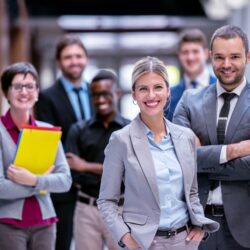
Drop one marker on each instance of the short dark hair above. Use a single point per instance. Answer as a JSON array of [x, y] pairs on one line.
[[67, 40], [192, 35], [228, 32], [12, 70], [105, 74]]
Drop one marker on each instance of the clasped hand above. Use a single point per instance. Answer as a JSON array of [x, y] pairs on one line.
[[23, 176]]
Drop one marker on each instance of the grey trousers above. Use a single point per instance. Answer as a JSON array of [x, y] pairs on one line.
[[177, 242], [30, 238]]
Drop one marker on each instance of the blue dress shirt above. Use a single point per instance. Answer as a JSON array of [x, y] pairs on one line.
[[68, 86], [174, 213]]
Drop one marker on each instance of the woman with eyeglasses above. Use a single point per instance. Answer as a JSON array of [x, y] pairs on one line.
[[156, 161], [27, 216]]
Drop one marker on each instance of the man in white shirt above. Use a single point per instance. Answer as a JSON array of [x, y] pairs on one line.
[[219, 115], [193, 54]]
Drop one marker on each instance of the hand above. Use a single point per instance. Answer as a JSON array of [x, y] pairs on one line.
[[237, 150], [129, 241], [197, 141], [196, 234], [21, 176], [75, 162]]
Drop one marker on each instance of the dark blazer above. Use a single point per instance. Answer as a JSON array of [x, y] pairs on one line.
[[197, 110], [176, 94], [54, 107]]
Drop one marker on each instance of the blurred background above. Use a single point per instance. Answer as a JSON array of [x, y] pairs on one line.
[[115, 33]]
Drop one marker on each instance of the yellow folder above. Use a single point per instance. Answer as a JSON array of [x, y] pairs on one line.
[[37, 148]]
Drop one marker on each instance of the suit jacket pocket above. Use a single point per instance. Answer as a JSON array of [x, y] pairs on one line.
[[133, 218]]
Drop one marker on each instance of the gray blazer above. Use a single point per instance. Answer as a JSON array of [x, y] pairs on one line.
[[197, 110], [128, 159], [12, 195]]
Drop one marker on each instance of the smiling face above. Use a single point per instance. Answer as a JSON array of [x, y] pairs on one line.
[[193, 57], [104, 97], [23, 92], [229, 61], [151, 93], [72, 62]]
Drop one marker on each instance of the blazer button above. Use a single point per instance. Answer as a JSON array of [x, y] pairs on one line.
[[205, 191]]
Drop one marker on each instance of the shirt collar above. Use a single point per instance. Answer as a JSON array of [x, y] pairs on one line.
[[117, 119], [150, 133], [237, 90], [68, 85], [202, 79], [9, 123]]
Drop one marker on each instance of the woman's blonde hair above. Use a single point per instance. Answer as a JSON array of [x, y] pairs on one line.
[[149, 65]]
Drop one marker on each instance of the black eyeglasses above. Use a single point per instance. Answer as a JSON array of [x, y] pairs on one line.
[[18, 87], [105, 94]]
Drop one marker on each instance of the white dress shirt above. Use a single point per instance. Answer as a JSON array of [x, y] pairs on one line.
[[215, 196], [202, 80]]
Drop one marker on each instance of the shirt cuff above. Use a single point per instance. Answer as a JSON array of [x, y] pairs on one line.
[[223, 154]]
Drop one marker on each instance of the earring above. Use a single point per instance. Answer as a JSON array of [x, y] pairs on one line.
[[134, 102]]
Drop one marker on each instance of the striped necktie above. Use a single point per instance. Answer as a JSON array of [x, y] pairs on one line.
[[223, 118], [221, 127]]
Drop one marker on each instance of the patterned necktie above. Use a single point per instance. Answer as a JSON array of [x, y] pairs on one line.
[[221, 127], [222, 121], [77, 91]]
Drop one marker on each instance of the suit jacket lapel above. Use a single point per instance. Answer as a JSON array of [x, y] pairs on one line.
[[65, 98], [209, 109], [183, 155], [241, 107], [90, 102], [140, 145]]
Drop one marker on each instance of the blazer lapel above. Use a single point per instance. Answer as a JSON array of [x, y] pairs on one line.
[[183, 155], [209, 110], [90, 102], [68, 106], [140, 144], [241, 107]]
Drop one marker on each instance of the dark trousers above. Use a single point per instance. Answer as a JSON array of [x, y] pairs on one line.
[[65, 213], [30, 238], [222, 239]]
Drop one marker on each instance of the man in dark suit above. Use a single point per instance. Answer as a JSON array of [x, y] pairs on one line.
[[64, 103], [219, 115], [193, 55]]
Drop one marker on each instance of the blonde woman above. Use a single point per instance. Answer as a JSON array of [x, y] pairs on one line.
[[156, 160]]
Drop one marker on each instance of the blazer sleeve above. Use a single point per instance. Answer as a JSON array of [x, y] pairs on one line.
[[45, 110], [208, 156], [112, 177], [10, 190], [200, 219]]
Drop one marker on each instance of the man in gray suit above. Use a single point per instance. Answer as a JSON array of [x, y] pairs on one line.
[[219, 115]]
